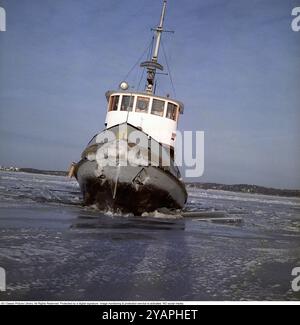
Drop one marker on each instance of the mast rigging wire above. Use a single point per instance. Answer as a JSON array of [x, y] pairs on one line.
[[169, 70], [139, 60], [148, 58]]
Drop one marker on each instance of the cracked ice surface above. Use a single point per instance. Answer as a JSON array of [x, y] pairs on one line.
[[54, 249]]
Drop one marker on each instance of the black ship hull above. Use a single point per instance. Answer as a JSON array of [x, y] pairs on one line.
[[128, 189]]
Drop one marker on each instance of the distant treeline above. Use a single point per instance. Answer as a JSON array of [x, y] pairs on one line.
[[245, 188]]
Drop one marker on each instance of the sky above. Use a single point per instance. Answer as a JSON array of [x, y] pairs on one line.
[[235, 65]]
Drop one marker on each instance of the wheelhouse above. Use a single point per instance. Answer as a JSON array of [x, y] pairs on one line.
[[142, 103], [157, 116]]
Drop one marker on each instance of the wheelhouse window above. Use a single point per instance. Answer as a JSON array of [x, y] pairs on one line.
[[113, 103], [142, 104], [172, 111], [158, 107], [127, 103]]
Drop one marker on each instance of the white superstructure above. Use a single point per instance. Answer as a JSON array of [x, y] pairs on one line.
[[156, 116]]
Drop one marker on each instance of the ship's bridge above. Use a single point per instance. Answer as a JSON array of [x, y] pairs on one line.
[[155, 115]]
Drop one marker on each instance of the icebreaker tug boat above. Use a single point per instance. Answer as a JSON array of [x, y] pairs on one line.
[[129, 167]]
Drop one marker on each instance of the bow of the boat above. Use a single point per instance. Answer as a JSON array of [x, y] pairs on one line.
[[135, 189]]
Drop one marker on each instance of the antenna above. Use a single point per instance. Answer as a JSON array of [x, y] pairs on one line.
[[153, 65]]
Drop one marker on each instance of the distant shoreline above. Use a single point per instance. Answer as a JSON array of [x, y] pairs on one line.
[[34, 171], [245, 188], [240, 188]]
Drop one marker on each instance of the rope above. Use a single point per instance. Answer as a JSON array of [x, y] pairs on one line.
[[142, 76], [148, 58], [169, 71], [138, 61], [151, 48]]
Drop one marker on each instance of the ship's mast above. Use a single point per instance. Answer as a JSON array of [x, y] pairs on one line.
[[159, 31], [153, 64]]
